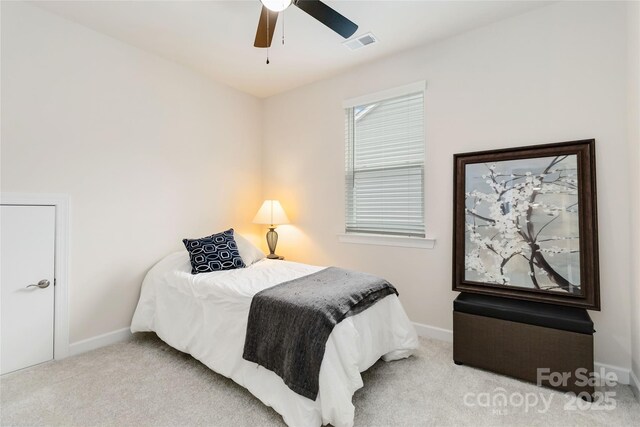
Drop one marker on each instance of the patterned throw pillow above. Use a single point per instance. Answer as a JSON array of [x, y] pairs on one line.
[[213, 253]]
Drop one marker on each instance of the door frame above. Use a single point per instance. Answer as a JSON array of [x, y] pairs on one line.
[[61, 263]]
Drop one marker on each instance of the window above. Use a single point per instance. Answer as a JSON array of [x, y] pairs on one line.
[[385, 163]]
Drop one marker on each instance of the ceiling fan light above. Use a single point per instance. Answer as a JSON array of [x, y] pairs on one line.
[[276, 5]]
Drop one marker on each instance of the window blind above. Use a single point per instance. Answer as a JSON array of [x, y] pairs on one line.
[[385, 166]]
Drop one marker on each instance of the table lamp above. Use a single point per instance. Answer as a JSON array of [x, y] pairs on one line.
[[271, 214]]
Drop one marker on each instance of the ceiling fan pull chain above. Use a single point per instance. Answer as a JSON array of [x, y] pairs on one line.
[[282, 28], [268, 41]]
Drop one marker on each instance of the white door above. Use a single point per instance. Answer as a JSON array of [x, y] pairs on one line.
[[26, 287]]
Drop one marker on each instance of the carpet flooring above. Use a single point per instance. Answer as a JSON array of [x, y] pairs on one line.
[[144, 382]]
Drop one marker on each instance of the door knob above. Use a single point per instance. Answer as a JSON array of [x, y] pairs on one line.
[[44, 283]]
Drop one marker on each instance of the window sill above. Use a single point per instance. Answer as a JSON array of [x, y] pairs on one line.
[[382, 240]]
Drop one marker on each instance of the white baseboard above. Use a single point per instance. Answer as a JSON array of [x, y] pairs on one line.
[[428, 331], [635, 384], [99, 341], [621, 373], [440, 334]]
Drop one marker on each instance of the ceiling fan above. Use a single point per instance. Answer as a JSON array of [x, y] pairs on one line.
[[315, 8]]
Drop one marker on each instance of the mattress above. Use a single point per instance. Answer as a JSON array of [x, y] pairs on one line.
[[205, 315]]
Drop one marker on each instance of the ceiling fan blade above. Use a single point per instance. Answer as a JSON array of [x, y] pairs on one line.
[[328, 17], [268, 21]]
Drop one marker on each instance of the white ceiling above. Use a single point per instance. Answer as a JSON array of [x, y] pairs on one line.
[[216, 37]]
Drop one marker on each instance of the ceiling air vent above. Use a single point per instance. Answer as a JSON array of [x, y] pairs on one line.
[[361, 41]]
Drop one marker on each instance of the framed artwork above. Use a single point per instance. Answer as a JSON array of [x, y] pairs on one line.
[[525, 223]]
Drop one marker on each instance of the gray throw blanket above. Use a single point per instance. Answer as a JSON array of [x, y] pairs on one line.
[[289, 324]]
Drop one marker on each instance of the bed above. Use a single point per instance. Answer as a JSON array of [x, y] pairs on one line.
[[205, 315]]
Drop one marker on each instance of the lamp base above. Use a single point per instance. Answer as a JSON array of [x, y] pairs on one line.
[[274, 256], [272, 241]]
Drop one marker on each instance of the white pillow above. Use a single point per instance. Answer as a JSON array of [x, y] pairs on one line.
[[248, 251]]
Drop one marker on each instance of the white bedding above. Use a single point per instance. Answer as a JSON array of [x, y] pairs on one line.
[[205, 315]]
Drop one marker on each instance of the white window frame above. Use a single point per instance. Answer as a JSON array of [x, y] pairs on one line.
[[383, 239]]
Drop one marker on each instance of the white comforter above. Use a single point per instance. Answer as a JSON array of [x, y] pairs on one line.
[[205, 315]]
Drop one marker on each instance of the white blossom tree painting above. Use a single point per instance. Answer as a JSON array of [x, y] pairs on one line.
[[522, 224], [526, 223]]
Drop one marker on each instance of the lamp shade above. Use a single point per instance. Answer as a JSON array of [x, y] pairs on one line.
[[271, 213]]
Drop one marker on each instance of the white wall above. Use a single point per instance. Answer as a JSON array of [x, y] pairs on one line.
[[148, 151], [554, 74], [633, 15]]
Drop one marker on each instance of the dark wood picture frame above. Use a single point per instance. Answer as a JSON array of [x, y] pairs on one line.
[[588, 294]]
